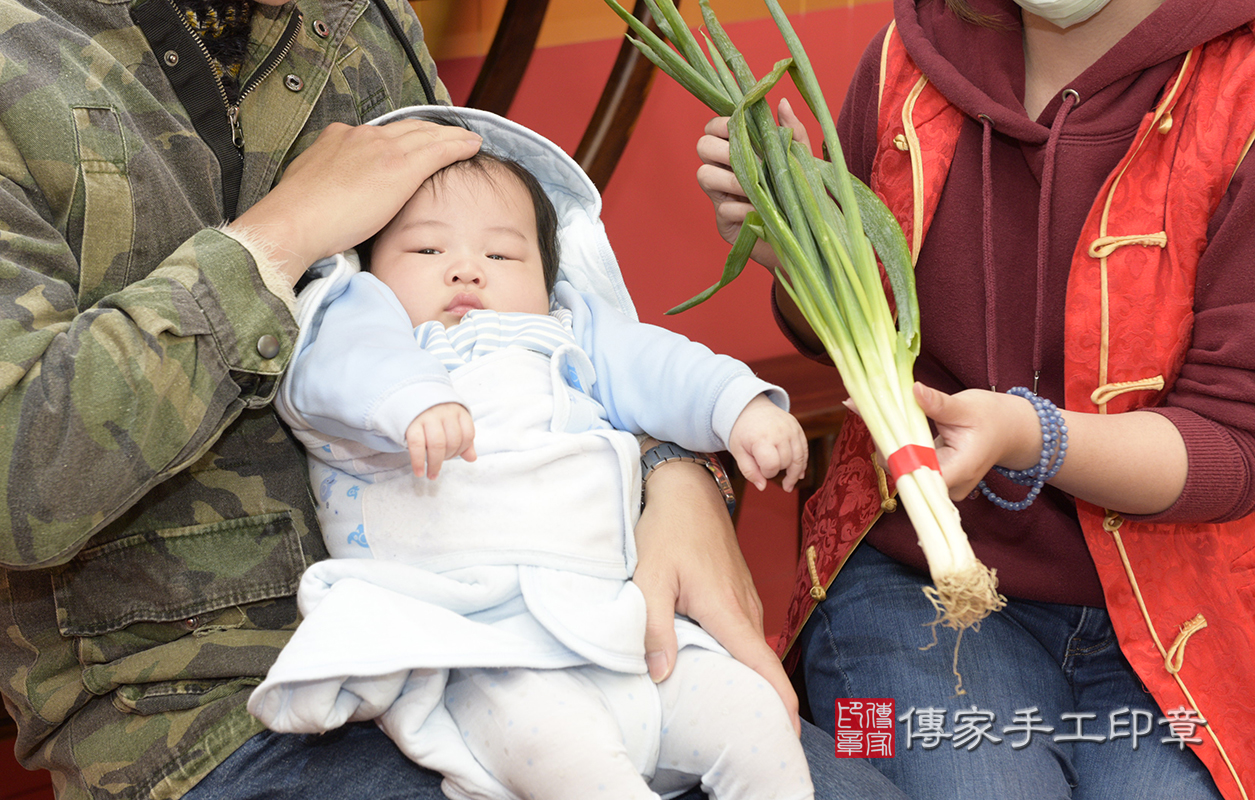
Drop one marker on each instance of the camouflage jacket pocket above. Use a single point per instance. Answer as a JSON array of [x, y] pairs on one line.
[[160, 698], [155, 588], [108, 211]]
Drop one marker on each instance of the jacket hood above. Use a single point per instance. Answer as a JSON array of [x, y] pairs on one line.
[[981, 69], [586, 262]]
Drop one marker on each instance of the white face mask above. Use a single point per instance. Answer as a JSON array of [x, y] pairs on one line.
[[1064, 13]]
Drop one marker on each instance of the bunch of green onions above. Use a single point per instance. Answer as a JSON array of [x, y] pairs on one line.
[[827, 229]]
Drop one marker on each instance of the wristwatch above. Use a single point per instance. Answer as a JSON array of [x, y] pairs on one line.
[[660, 454]]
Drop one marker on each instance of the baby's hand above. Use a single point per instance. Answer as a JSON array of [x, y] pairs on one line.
[[441, 432], [766, 440]]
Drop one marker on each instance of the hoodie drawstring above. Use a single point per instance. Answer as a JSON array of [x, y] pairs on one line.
[[1070, 99], [987, 250]]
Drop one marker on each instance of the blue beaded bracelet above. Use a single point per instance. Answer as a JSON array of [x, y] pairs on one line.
[[1054, 446]]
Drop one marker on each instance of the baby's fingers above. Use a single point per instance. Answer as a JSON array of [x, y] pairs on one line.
[[437, 441], [799, 453], [441, 432], [453, 437], [770, 458], [416, 443], [467, 431], [749, 466]]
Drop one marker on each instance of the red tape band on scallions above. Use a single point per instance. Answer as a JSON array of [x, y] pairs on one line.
[[910, 458]]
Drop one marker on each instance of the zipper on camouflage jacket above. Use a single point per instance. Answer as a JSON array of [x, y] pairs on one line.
[[188, 66]]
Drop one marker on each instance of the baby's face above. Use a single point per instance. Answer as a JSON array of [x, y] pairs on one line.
[[464, 242]]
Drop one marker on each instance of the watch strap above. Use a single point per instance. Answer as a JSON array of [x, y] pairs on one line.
[[662, 453]]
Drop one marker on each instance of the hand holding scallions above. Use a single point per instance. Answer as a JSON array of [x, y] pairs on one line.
[[716, 178], [718, 181], [977, 429]]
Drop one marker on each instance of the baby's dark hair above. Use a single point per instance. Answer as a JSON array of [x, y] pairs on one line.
[[484, 163]]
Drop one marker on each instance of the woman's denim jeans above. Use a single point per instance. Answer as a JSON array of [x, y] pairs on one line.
[[1030, 666]]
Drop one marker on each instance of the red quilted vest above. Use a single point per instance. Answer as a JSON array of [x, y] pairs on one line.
[[1131, 282]]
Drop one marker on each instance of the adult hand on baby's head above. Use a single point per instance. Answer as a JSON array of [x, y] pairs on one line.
[[441, 432], [765, 439], [346, 186]]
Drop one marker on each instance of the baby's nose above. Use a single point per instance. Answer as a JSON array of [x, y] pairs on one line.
[[466, 273]]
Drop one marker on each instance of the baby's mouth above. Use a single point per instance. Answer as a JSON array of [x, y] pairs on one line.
[[463, 303]]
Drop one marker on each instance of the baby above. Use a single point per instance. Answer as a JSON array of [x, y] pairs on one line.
[[470, 418], [470, 239]]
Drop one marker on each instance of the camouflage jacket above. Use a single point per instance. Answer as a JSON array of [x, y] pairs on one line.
[[156, 516]]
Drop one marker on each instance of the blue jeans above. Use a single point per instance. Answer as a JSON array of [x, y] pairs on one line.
[[1031, 665], [358, 761]]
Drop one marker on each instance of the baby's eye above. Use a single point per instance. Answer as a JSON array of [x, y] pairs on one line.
[[498, 257], [428, 251]]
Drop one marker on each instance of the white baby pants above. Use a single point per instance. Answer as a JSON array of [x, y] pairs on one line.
[[565, 733]]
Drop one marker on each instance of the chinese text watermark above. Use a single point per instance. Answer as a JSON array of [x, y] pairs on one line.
[[865, 728]]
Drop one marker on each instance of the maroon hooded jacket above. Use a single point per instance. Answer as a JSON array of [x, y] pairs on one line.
[[1040, 553]]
